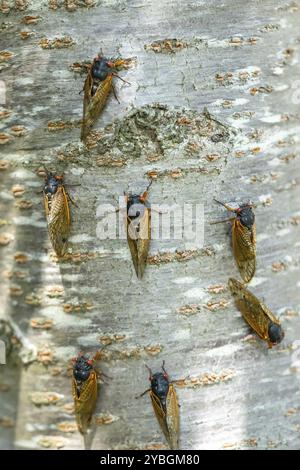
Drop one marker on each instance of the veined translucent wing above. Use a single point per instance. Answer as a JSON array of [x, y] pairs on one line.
[[255, 312], [85, 401], [93, 104], [172, 417], [58, 219], [139, 241], [244, 249], [168, 417]]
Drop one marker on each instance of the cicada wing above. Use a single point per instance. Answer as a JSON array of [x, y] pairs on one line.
[[143, 242], [254, 236], [132, 243], [235, 286], [251, 308], [96, 104], [86, 100], [139, 242], [172, 418], [269, 314], [255, 317], [160, 414], [46, 205], [143, 250], [98, 101], [58, 219], [85, 402], [244, 249]]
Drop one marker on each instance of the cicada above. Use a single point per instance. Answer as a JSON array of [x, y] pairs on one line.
[[138, 222], [56, 201], [165, 405], [84, 390], [256, 314], [243, 239], [97, 86]]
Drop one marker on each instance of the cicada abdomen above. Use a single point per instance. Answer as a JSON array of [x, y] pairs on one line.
[[256, 314], [243, 239], [57, 212], [85, 391], [138, 222], [97, 86], [165, 405]]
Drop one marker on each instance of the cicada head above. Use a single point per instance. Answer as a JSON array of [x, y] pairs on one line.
[[52, 182], [82, 368], [246, 215], [160, 384], [101, 68], [135, 205], [276, 333], [133, 199]]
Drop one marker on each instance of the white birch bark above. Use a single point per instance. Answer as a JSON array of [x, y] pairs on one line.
[[240, 60]]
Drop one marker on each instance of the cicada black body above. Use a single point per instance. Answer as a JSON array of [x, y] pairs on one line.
[[56, 202], [97, 86], [84, 390], [243, 239], [138, 223], [256, 314], [165, 405]]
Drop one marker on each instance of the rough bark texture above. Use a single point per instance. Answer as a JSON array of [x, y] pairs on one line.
[[240, 60]]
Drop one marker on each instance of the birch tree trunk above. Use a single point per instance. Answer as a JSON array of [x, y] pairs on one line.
[[238, 59]]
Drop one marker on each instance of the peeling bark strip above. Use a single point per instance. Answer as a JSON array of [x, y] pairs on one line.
[[45, 399], [57, 43], [206, 379], [54, 126], [166, 45], [242, 65], [180, 256]]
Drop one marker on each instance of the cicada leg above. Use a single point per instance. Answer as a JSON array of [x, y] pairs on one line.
[[230, 209], [115, 94], [222, 221]]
